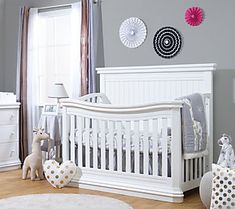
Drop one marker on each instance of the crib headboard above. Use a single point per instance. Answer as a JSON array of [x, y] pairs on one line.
[[144, 84]]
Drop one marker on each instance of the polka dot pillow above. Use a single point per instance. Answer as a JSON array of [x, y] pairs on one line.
[[223, 188], [59, 175]]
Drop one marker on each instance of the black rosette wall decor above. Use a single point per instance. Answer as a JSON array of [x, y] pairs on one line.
[[167, 42]]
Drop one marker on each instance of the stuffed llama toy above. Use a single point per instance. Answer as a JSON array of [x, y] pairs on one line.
[[227, 157], [33, 162]]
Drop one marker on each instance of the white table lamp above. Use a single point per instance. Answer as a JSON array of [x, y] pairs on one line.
[[57, 91]]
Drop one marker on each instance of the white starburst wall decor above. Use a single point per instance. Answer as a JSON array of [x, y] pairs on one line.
[[132, 32]]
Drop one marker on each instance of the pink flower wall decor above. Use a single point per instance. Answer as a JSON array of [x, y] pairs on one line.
[[194, 16]]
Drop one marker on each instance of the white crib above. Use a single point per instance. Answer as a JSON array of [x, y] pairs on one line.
[[126, 146]]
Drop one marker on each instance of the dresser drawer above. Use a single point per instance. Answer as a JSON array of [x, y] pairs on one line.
[[8, 133], [8, 116], [9, 151]]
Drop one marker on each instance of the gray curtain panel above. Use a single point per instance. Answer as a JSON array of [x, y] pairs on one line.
[[21, 81], [84, 47], [89, 38], [94, 19]]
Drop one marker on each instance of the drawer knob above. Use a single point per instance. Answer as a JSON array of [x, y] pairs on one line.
[[12, 134], [11, 117]]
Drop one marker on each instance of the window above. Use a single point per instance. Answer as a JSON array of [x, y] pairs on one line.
[[56, 51]]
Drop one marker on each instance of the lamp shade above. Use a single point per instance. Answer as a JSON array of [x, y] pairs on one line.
[[57, 90]]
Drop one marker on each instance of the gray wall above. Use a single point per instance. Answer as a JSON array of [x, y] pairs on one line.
[[224, 108], [212, 41], [2, 41]]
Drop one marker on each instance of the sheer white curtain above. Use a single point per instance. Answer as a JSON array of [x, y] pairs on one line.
[[35, 57], [75, 50], [32, 74]]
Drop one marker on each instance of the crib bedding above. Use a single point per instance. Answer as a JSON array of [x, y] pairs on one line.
[[160, 142], [194, 125], [149, 137]]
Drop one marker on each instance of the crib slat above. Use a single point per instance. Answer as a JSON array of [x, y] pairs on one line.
[[95, 146], [72, 141], [110, 141], [79, 136], [102, 140], [191, 169], [155, 147], [119, 146], [137, 147], [128, 146], [196, 167], [146, 147], [87, 140], [200, 167], [187, 170], [204, 165], [65, 135], [164, 147]]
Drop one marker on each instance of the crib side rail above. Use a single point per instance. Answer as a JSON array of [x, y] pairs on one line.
[[145, 142], [104, 108]]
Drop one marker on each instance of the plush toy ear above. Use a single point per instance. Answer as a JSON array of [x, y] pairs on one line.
[[35, 130], [229, 138]]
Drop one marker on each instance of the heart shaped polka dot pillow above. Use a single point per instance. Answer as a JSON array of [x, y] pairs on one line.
[[59, 175]]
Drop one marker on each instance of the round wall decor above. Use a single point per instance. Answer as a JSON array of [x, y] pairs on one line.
[[167, 42], [132, 32], [194, 16]]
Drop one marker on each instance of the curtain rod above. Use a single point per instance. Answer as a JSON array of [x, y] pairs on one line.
[[51, 8], [58, 7]]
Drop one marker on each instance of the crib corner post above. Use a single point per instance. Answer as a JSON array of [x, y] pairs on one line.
[[210, 139], [176, 150], [65, 132]]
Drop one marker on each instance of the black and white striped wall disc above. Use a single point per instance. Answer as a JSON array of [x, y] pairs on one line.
[[167, 42]]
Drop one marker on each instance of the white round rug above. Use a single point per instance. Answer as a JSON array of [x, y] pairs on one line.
[[62, 201]]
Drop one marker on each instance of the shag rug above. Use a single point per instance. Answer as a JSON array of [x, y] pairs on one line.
[[62, 201]]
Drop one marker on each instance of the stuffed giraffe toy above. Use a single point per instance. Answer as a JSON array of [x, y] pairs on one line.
[[33, 162]]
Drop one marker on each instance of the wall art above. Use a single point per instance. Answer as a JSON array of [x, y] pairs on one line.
[[167, 42], [194, 16], [132, 32]]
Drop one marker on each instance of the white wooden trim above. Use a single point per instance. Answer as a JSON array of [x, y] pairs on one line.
[[160, 69], [10, 105], [138, 185]]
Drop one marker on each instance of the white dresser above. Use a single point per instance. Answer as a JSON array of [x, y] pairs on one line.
[[9, 136]]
